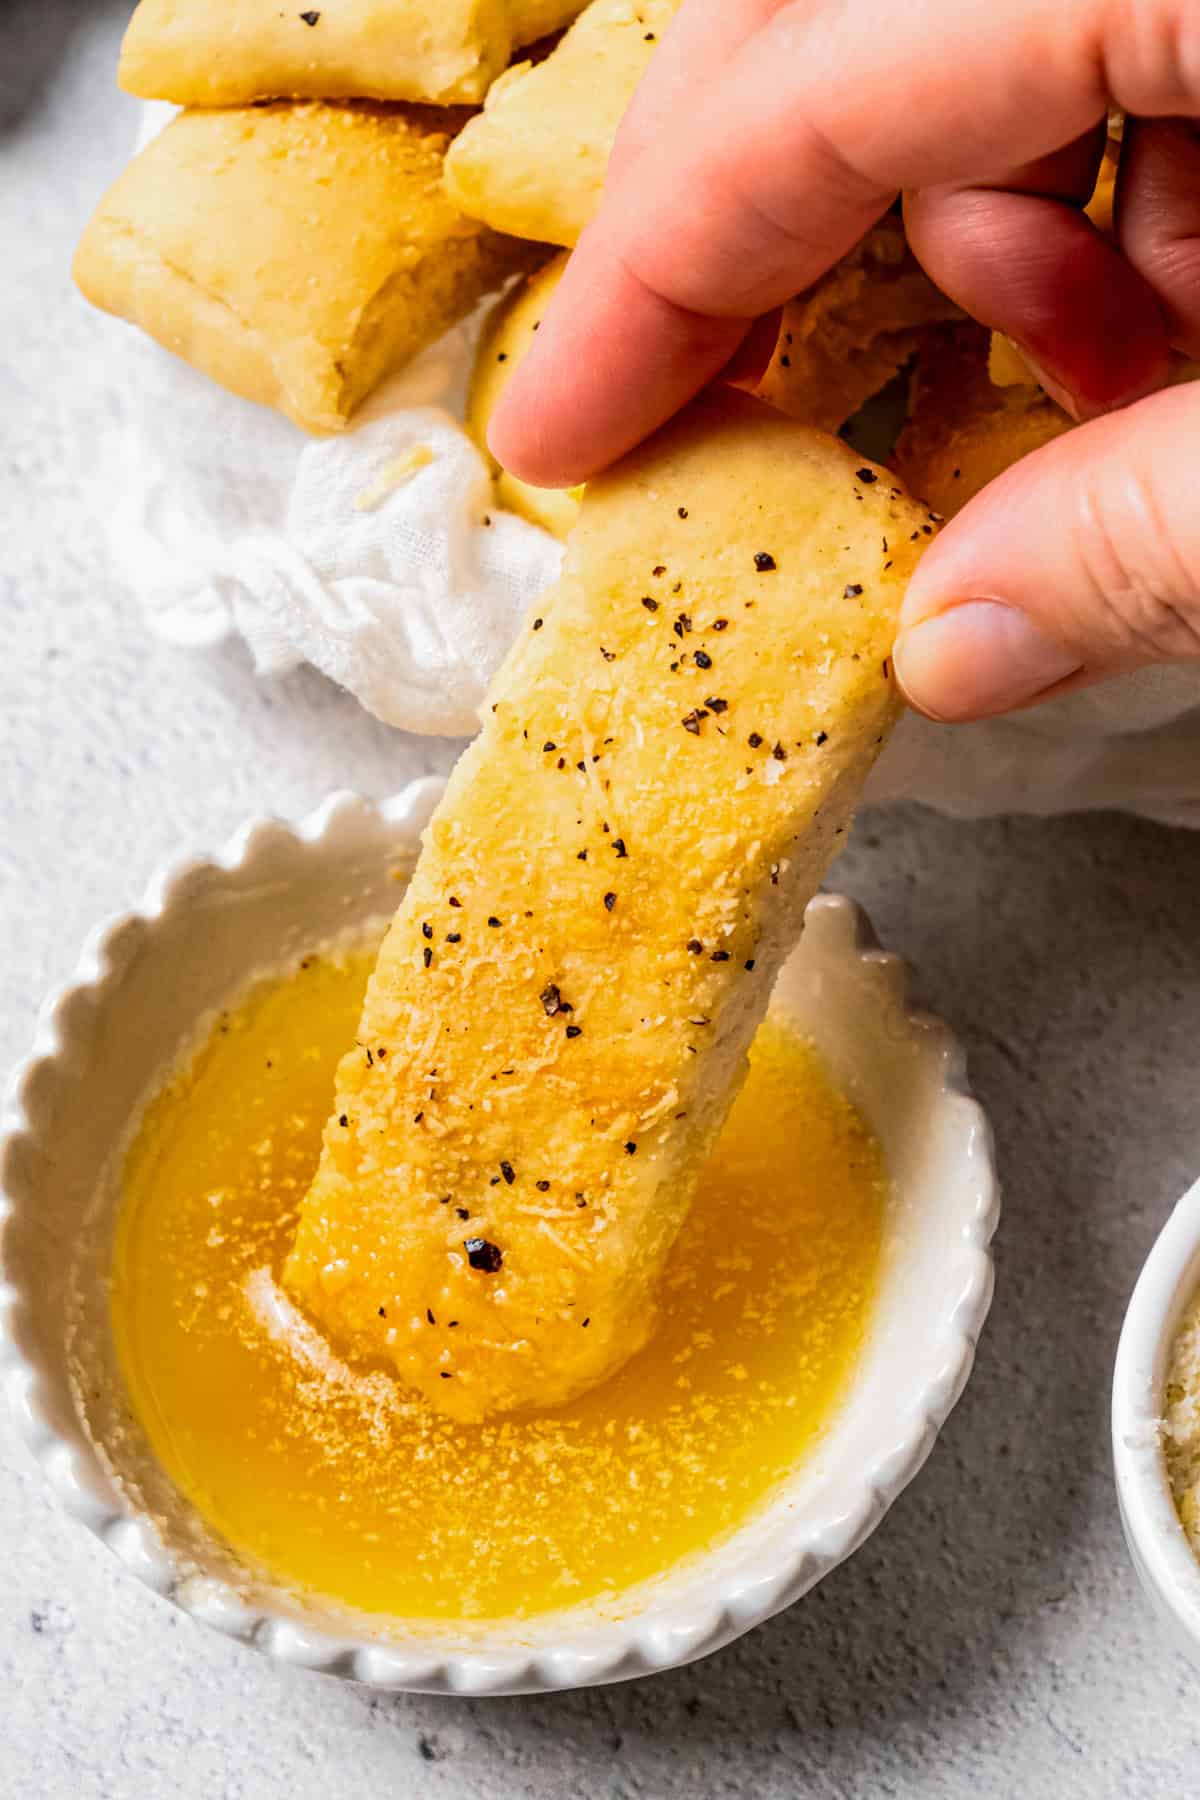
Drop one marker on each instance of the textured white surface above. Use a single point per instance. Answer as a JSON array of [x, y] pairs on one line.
[[377, 556], [991, 1639]]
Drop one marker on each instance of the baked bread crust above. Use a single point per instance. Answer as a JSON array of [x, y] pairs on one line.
[[294, 253], [853, 330], [506, 336], [560, 1015], [199, 54], [533, 162], [962, 430]]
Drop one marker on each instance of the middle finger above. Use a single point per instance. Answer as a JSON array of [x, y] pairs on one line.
[[1018, 253]]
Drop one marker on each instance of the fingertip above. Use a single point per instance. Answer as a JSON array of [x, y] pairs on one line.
[[1097, 356], [536, 433], [512, 436], [937, 581], [612, 362], [1036, 269], [1158, 219], [979, 659], [530, 433], [1075, 564]]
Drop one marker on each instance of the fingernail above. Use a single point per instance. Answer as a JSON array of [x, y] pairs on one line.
[[977, 659], [1061, 395], [1117, 387]]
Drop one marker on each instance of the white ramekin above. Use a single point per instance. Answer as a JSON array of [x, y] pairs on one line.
[[208, 924], [1164, 1560]]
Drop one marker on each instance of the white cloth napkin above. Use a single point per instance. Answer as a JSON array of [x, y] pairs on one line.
[[1130, 746], [379, 557]]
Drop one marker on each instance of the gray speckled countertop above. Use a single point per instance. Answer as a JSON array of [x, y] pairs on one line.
[[990, 1639]]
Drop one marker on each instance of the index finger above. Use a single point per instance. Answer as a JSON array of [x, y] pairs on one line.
[[786, 157]]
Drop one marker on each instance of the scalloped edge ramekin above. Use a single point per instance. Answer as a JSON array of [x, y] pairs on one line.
[[206, 925], [1166, 1565]]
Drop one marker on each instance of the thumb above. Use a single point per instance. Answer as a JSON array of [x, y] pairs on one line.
[[1080, 562]]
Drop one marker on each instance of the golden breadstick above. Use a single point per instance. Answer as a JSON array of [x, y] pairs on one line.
[[560, 1015], [506, 336], [296, 254], [962, 429], [200, 54], [533, 162], [853, 330]]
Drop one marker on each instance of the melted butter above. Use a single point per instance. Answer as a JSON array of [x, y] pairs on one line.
[[337, 1483]]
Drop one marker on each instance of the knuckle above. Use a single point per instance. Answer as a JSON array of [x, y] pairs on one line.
[[1149, 54]]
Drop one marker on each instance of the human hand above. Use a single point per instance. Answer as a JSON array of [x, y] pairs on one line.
[[768, 136]]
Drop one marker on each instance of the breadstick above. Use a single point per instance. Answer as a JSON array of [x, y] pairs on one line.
[[561, 1011]]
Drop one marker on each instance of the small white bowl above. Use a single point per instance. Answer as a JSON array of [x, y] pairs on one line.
[[1165, 1562], [206, 926]]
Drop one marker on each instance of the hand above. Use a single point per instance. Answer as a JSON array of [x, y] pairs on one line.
[[765, 140]]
